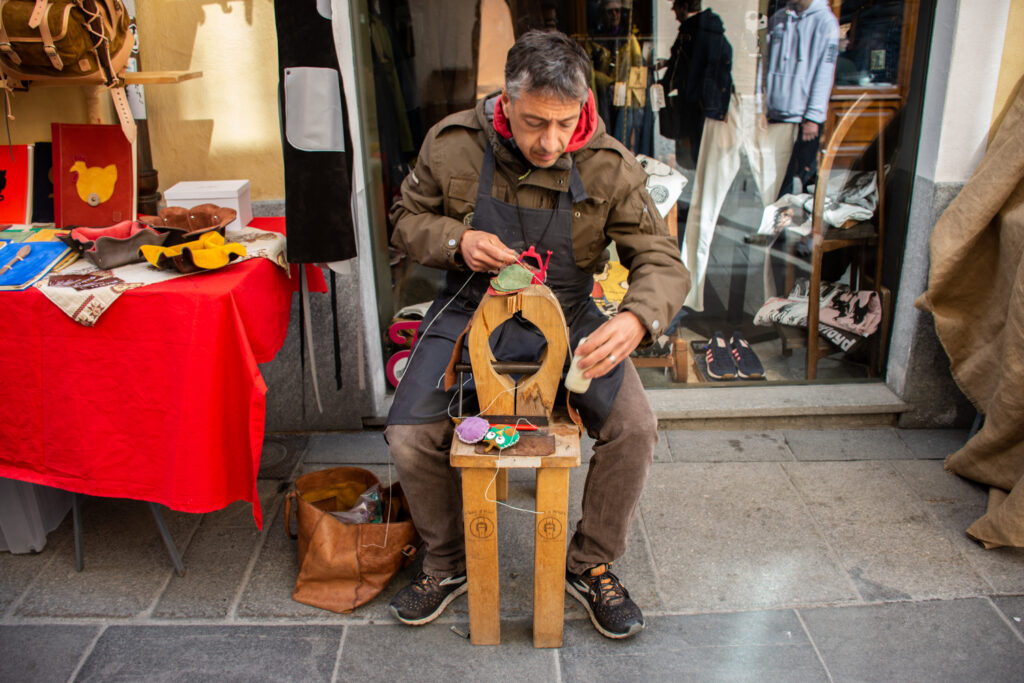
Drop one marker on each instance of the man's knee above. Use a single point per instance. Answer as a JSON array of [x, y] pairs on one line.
[[411, 443]]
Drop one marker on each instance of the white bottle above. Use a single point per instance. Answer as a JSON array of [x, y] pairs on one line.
[[574, 379]]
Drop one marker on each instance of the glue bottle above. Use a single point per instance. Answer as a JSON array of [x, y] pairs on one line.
[[574, 379]]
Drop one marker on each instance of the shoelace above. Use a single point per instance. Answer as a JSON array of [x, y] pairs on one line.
[[424, 581], [608, 587]]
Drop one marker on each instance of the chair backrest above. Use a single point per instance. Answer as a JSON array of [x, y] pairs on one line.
[[533, 395], [826, 159]]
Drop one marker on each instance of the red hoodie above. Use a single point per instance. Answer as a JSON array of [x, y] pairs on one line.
[[581, 136]]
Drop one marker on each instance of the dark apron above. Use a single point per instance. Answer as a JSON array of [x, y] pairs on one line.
[[420, 396]]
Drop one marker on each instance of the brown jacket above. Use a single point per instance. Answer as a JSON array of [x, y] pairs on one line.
[[439, 195]]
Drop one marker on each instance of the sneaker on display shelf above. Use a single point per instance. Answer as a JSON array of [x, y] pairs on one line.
[[720, 361], [748, 365]]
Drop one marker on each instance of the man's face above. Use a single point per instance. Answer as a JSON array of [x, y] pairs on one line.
[[612, 14], [801, 5], [549, 18], [542, 125]]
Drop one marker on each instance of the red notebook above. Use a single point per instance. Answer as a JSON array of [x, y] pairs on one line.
[[16, 184], [93, 175]]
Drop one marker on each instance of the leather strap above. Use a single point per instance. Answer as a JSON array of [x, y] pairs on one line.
[[124, 113], [449, 371], [289, 500], [44, 31], [36, 17], [5, 40], [304, 284]]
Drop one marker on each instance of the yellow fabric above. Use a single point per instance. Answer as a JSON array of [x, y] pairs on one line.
[[210, 251]]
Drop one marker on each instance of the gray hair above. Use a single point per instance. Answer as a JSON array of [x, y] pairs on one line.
[[550, 63]]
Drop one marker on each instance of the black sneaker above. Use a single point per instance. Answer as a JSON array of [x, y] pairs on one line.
[[748, 365], [607, 602], [720, 362], [425, 598]]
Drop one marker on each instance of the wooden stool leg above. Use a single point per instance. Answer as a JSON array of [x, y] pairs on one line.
[[501, 485], [481, 527], [549, 556]]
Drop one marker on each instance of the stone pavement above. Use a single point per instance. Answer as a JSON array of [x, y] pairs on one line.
[[786, 555]]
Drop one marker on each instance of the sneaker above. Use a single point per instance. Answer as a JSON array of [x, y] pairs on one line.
[[425, 598], [720, 362], [748, 365], [607, 602]]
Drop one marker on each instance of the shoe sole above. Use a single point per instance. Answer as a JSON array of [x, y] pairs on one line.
[[753, 375], [433, 615], [727, 375], [571, 590]]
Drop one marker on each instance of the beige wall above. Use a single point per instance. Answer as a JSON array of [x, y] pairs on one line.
[[221, 126], [1011, 71]]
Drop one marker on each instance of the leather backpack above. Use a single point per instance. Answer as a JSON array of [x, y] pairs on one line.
[[69, 42]]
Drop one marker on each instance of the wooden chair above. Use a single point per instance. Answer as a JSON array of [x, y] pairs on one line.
[[866, 238], [551, 450]]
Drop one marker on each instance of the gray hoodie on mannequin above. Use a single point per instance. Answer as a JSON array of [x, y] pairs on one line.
[[800, 62]]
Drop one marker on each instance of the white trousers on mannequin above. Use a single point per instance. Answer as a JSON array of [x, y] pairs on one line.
[[718, 162]]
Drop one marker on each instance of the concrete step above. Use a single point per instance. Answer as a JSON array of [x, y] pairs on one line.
[[856, 404]]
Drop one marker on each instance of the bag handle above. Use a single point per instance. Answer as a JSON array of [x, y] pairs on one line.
[[288, 500]]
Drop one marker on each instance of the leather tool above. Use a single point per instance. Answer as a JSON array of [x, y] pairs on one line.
[[22, 253]]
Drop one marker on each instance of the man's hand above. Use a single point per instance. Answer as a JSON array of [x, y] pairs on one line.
[[483, 252], [809, 130], [610, 344]]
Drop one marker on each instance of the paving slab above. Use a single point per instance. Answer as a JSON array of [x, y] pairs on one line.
[[221, 653], [268, 594], [953, 640], [847, 444], [281, 453], [882, 533], [731, 536], [18, 571], [955, 503], [125, 563], [933, 443], [747, 646], [727, 446], [435, 653], [1013, 609], [42, 653], [347, 448]]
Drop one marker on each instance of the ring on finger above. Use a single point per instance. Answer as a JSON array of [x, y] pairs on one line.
[[611, 357]]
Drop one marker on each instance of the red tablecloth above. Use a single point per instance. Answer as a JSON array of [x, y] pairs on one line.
[[162, 400]]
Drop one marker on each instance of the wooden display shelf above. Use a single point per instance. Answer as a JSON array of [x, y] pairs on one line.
[[158, 77]]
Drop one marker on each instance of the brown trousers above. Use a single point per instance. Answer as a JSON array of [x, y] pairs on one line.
[[623, 453]]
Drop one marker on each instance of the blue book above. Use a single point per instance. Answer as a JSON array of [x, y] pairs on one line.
[[26, 267]]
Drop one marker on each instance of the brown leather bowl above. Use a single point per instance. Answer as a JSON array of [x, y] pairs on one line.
[[185, 225]]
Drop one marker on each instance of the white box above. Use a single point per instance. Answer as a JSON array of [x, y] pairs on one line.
[[229, 193]]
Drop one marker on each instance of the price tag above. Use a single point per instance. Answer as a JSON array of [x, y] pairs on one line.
[[657, 95]]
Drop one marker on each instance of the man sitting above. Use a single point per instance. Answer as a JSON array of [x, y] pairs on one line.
[[533, 166]]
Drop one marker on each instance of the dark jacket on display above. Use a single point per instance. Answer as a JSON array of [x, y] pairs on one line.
[[700, 66], [438, 199]]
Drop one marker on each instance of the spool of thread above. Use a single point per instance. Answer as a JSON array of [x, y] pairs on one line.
[[574, 379]]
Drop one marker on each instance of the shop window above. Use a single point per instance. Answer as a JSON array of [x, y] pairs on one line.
[[734, 129]]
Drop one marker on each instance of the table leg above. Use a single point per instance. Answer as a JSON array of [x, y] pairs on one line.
[[549, 556], [481, 527], [76, 519], [165, 533]]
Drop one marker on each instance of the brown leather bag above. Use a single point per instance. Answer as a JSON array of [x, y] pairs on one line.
[[343, 566], [68, 42]]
